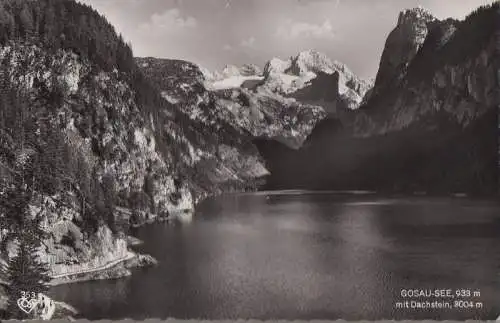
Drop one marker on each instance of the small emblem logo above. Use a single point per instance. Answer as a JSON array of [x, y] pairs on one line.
[[25, 304]]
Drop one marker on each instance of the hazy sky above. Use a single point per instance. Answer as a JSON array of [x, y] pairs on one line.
[[214, 33]]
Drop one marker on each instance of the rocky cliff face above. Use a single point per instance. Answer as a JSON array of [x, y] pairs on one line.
[[247, 113], [300, 76], [401, 46], [98, 116], [161, 161], [430, 66], [429, 124], [158, 158]]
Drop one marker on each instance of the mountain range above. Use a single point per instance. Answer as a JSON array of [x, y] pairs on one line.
[[112, 140], [428, 124]]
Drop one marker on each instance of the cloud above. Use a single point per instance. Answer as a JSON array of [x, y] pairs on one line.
[[293, 30], [227, 47], [170, 20], [248, 43]]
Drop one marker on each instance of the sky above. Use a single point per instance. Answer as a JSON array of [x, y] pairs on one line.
[[214, 33]]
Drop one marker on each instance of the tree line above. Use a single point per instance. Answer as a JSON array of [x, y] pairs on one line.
[[29, 130], [57, 24], [37, 161]]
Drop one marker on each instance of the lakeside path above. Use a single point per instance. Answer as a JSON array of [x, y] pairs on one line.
[[108, 265]]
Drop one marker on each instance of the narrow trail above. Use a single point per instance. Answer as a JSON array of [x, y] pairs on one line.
[[108, 265]]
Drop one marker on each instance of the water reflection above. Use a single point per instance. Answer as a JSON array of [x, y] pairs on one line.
[[306, 257]]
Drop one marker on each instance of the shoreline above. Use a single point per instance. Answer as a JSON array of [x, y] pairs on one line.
[[132, 258], [115, 269], [68, 278], [360, 193], [119, 269]]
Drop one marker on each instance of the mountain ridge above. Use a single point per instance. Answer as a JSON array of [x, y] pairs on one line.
[[110, 140], [124, 140], [434, 75]]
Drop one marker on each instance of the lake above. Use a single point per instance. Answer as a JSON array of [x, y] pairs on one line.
[[309, 256]]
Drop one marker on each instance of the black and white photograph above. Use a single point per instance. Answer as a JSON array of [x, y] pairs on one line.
[[250, 159]]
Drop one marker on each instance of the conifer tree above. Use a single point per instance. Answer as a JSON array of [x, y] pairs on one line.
[[25, 273]]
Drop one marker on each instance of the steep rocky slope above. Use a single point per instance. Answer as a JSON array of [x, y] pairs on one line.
[[252, 114], [310, 77], [429, 66], [314, 78], [429, 124], [120, 148], [401, 46], [96, 113]]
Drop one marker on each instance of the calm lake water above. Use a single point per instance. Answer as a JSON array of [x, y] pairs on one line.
[[308, 256]]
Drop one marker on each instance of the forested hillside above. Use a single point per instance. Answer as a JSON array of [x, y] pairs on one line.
[[94, 142]]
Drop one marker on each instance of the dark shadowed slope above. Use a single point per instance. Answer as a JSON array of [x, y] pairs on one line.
[[430, 123]]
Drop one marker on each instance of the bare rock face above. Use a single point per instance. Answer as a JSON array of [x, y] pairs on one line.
[[160, 161], [244, 113], [433, 67], [435, 100], [307, 71], [45, 308], [167, 76], [310, 77], [402, 45], [276, 65]]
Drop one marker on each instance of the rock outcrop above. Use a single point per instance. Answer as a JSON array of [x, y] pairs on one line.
[[98, 116], [401, 46], [430, 67], [299, 76], [310, 78], [249, 114], [45, 308], [158, 158], [429, 124]]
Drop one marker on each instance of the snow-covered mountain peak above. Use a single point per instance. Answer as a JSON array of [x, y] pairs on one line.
[[311, 61], [307, 69], [313, 69], [276, 65], [231, 70]]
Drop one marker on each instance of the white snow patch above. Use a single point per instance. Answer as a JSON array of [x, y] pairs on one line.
[[230, 71], [277, 65], [234, 82]]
